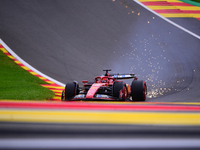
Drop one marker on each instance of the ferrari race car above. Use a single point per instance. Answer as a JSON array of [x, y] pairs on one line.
[[107, 87]]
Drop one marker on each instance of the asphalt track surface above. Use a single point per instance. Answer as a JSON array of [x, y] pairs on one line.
[[76, 40]]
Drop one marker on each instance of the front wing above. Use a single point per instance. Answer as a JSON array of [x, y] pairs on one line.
[[96, 97]]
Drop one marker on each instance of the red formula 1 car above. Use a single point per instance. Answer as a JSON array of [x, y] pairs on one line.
[[107, 87]]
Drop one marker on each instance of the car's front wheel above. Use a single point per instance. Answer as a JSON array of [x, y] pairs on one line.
[[119, 90], [71, 89]]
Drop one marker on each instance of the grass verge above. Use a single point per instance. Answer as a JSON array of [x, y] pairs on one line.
[[192, 2], [198, 1], [17, 83]]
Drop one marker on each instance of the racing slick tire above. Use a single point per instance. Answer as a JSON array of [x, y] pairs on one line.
[[71, 89], [138, 90], [117, 87]]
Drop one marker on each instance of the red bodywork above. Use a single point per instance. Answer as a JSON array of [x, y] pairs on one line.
[[104, 81], [107, 87]]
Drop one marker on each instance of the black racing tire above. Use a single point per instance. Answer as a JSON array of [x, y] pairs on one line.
[[71, 89], [117, 86], [138, 90], [63, 95]]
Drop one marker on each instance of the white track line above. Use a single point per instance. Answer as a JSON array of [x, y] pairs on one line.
[[178, 26], [29, 66], [98, 143]]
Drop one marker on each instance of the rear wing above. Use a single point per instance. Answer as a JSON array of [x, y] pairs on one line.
[[120, 76], [123, 76]]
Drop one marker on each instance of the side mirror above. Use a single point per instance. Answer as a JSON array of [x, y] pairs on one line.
[[84, 81]]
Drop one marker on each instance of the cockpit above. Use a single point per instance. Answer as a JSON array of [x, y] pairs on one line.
[[104, 79]]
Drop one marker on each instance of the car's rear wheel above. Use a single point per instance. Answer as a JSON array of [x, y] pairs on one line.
[[138, 90], [71, 89], [117, 87]]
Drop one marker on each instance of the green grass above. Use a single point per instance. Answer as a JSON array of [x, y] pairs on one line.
[[192, 2], [198, 1], [18, 84]]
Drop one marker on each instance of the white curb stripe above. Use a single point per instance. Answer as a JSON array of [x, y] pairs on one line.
[[171, 22]]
